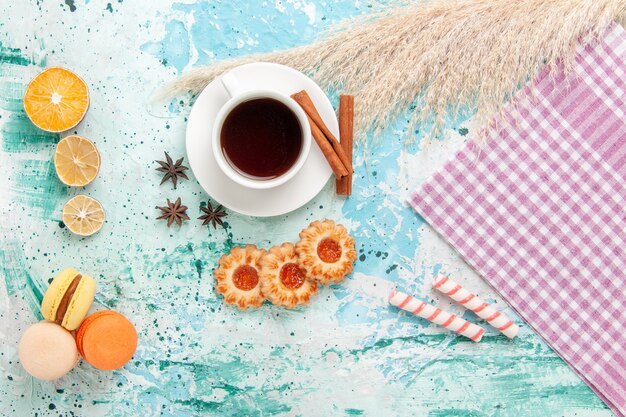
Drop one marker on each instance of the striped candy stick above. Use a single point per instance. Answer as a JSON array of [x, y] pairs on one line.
[[470, 301], [436, 315]]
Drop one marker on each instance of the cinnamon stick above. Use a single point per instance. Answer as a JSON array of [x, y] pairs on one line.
[[303, 99], [329, 153], [346, 134]]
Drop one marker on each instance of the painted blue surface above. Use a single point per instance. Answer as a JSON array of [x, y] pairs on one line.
[[348, 353]]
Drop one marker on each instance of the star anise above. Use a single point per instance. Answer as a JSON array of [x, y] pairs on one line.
[[172, 170], [213, 216], [174, 212]]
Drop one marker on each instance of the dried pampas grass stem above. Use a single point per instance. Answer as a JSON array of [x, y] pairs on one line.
[[439, 55]]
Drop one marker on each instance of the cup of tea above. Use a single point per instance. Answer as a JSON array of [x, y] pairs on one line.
[[261, 138]]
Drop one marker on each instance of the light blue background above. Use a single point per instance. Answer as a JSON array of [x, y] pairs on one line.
[[347, 353]]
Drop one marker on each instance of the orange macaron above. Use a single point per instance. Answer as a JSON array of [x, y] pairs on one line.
[[107, 340]]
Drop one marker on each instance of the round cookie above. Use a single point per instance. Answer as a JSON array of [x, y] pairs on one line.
[[326, 251], [107, 340], [47, 351]]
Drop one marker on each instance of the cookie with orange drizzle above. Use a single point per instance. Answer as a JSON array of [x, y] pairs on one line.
[[326, 251], [283, 281], [237, 277]]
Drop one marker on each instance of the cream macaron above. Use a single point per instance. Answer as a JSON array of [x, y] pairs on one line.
[[68, 298], [47, 351]]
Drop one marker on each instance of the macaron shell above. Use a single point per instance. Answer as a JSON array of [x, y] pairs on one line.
[[80, 303], [107, 340], [83, 328], [54, 293], [47, 351]]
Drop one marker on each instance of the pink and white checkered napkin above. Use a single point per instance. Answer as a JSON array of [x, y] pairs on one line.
[[540, 212]]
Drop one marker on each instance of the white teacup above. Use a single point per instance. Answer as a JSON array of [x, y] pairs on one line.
[[238, 96]]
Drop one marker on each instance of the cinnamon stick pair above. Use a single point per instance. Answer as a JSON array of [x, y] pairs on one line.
[[338, 155]]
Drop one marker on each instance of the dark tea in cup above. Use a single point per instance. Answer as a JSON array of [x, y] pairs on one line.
[[261, 138]]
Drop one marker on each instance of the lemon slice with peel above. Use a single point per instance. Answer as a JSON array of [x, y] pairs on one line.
[[56, 100], [83, 215], [76, 160]]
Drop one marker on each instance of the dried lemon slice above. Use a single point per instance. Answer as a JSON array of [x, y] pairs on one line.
[[56, 100], [76, 160], [83, 215]]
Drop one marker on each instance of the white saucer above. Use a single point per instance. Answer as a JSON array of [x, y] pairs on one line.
[[305, 185]]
